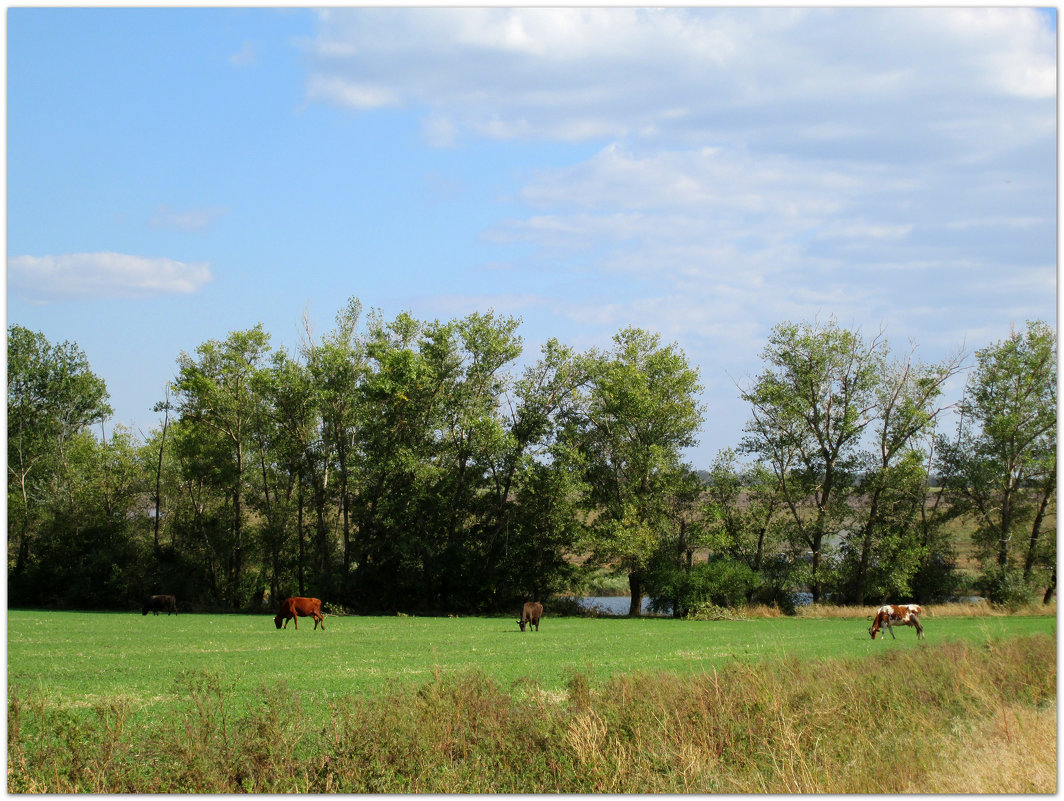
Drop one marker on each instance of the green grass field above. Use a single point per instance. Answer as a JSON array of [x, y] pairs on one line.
[[79, 658], [120, 703]]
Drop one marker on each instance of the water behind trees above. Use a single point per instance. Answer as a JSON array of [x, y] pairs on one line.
[[613, 605]]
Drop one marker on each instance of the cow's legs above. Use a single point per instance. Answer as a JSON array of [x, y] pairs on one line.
[[890, 628], [919, 628]]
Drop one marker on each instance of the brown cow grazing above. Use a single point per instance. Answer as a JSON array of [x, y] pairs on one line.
[[154, 603], [530, 615], [295, 608], [905, 614]]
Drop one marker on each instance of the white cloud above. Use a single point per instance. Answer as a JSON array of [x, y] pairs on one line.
[[247, 56], [859, 229], [355, 94], [188, 219], [1014, 43], [682, 74], [101, 275], [689, 213]]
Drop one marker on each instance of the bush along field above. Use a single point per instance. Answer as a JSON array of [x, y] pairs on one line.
[[201, 704]]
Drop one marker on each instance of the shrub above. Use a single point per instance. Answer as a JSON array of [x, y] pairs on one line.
[[722, 582], [1005, 587]]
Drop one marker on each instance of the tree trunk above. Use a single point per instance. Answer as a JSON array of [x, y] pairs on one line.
[[159, 471], [345, 504], [1006, 526], [635, 585], [866, 549], [1036, 527], [321, 530], [299, 527], [814, 579], [238, 530]]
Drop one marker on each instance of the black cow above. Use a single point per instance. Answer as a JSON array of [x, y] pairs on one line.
[[155, 603]]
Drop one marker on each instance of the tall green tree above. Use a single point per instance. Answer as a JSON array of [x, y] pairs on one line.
[[395, 444], [91, 559], [337, 365], [810, 408], [52, 397], [200, 521], [532, 520], [471, 360], [641, 411], [216, 391], [894, 488], [1002, 465], [291, 459]]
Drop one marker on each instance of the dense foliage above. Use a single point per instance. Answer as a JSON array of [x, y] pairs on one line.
[[424, 466]]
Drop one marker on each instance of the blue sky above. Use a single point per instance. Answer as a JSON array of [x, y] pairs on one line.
[[175, 174]]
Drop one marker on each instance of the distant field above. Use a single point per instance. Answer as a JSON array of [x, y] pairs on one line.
[[78, 658]]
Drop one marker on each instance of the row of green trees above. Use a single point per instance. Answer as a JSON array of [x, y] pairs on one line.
[[409, 465]]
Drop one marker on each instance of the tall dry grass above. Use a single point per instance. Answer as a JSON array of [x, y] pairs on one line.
[[1014, 752], [947, 718], [979, 609]]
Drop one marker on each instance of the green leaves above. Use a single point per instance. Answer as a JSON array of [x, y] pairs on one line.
[[640, 411], [1002, 465], [52, 398], [829, 406]]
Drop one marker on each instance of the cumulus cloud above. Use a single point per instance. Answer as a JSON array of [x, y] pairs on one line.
[[103, 275]]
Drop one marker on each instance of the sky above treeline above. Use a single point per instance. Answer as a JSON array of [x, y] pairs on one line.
[[175, 174]]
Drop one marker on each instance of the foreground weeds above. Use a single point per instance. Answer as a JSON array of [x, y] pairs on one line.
[[830, 726]]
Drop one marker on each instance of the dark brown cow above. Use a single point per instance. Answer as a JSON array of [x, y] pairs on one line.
[[295, 608], [154, 603], [530, 615], [905, 614]]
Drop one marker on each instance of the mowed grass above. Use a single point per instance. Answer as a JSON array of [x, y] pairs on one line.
[[77, 659]]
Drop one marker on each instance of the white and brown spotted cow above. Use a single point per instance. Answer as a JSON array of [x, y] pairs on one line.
[[905, 614]]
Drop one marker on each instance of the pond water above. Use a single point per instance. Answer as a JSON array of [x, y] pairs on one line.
[[617, 605], [612, 604]]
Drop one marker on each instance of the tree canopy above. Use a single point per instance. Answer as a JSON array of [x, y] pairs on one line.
[[414, 466]]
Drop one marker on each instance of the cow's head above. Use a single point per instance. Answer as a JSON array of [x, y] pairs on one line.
[[872, 631], [144, 611], [521, 623], [277, 621]]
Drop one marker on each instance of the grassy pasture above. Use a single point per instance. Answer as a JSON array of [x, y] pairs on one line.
[[77, 658], [120, 703]]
